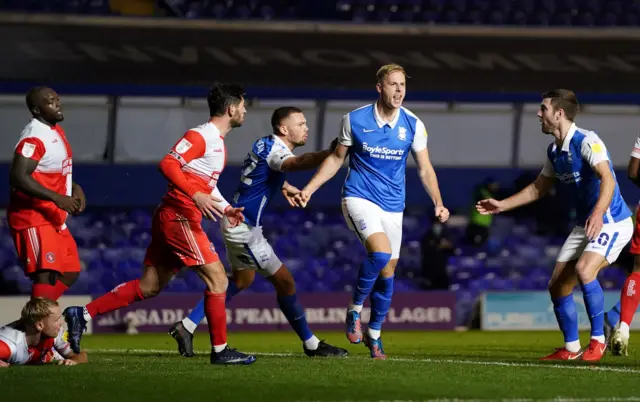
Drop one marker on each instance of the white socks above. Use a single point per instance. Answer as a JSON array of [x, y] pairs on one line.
[[189, 325], [573, 347], [353, 307], [624, 329], [312, 343]]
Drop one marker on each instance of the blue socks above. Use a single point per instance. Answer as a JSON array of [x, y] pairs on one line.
[[294, 312], [594, 303], [368, 274], [613, 316], [380, 301], [567, 316], [197, 314]]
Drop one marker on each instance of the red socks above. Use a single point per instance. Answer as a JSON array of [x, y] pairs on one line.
[[50, 292], [121, 296], [629, 298], [215, 310]]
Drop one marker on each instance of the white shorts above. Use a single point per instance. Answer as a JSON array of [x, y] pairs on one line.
[[366, 218], [613, 237], [248, 249]]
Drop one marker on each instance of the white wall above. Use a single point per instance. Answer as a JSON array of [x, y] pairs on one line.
[[459, 135]]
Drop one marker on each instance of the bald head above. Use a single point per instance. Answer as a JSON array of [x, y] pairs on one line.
[[44, 105]]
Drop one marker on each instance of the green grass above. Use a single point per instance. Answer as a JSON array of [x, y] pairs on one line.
[[422, 366]]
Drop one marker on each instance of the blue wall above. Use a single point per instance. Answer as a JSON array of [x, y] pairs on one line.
[[142, 185]]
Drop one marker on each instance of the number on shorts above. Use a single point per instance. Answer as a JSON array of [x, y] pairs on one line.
[[250, 163], [602, 240]]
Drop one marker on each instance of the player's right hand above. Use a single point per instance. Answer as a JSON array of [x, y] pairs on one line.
[[489, 207], [67, 362], [4, 364], [69, 204], [206, 203], [302, 198]]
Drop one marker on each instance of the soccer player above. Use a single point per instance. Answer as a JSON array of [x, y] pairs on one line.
[[579, 160], [42, 195], [377, 139], [618, 319], [192, 168], [263, 176], [37, 337]]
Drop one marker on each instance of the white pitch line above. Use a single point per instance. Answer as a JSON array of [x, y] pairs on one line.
[[405, 359], [557, 399]]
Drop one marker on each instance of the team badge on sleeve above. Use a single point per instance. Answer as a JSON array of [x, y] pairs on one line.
[[596, 147], [183, 146], [28, 150]]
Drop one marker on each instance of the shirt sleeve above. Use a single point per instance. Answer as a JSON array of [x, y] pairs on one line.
[[191, 146], [61, 345], [5, 351], [32, 148], [547, 168], [420, 137], [344, 137], [635, 153], [277, 156], [594, 151], [8, 350]]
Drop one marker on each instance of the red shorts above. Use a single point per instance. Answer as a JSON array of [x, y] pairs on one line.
[[177, 242], [635, 240], [46, 248]]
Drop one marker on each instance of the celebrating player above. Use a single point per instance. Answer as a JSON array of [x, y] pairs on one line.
[[618, 319], [263, 175], [42, 196], [579, 160], [377, 138], [192, 168], [37, 337]]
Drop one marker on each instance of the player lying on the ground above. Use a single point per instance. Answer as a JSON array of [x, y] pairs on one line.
[[618, 319], [37, 337], [578, 160], [263, 176]]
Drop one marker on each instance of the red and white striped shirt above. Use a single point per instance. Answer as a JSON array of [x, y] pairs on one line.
[[201, 155], [49, 147]]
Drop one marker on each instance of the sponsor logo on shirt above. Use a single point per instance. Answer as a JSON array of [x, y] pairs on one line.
[[569, 178], [383, 152]]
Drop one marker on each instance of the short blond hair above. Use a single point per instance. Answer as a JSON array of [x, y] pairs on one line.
[[36, 310], [387, 69]]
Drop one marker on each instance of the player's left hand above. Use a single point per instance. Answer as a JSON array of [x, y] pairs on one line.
[[302, 198], [594, 224], [4, 364], [442, 213], [234, 215], [66, 362], [289, 194], [78, 194]]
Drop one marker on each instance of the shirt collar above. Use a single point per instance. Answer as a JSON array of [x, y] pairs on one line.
[[567, 140], [54, 127], [381, 123]]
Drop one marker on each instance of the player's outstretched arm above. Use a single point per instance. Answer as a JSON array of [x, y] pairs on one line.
[[20, 178], [430, 183], [327, 170], [534, 191], [309, 160]]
